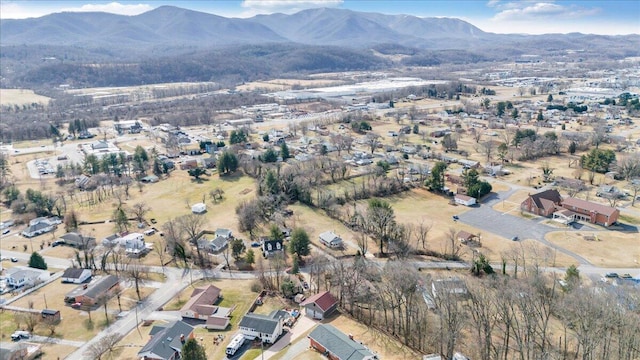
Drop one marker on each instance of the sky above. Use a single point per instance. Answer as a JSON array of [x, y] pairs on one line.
[[607, 17]]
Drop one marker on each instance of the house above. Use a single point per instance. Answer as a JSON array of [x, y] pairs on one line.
[[19, 351], [335, 345], [89, 294], [76, 276], [269, 246], [543, 203], [50, 315], [78, 240], [218, 244], [320, 305], [201, 306], [609, 192], [465, 200], [452, 286], [134, 244], [225, 233], [189, 164], [19, 276], [330, 239], [166, 341], [266, 327], [592, 212], [467, 237], [573, 184], [199, 208], [38, 226]]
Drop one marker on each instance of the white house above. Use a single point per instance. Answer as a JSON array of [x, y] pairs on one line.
[[266, 327], [465, 200], [199, 208], [39, 226], [76, 276], [330, 239], [20, 276]]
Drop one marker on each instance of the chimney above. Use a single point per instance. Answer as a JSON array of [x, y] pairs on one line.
[[182, 338]]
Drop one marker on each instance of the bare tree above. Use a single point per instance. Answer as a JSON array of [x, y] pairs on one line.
[[140, 210], [452, 318], [138, 273], [422, 233], [174, 238], [373, 141], [191, 226], [106, 344]]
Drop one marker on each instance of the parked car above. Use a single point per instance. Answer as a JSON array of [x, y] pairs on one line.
[[626, 276], [57, 243], [6, 231], [14, 259], [19, 335], [612, 275], [515, 238], [456, 217], [76, 305]]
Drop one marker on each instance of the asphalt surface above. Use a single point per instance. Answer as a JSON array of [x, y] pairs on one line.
[[508, 226]]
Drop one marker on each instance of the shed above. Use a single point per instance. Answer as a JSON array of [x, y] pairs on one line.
[[50, 315], [330, 239], [465, 200], [199, 208], [76, 276]]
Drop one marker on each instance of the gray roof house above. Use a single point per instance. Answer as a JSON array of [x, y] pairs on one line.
[[78, 240], [332, 342], [76, 275], [218, 244], [330, 239], [38, 228], [166, 341], [225, 233], [19, 276], [266, 327]]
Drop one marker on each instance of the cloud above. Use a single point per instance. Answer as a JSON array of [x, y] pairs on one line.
[[527, 11], [13, 10], [254, 7], [114, 8]]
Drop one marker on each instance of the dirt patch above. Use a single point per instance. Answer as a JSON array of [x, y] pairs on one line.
[[245, 191]]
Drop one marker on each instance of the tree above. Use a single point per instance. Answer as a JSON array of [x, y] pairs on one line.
[[191, 226], [196, 172], [449, 143], [416, 129], [547, 171], [249, 214], [275, 233], [237, 137], [250, 257], [540, 117], [140, 210], [136, 272], [500, 107], [299, 244], [265, 137], [373, 141], [71, 221], [36, 261], [381, 219], [572, 277], [515, 114], [436, 180], [503, 150], [121, 219], [598, 160], [191, 350], [227, 163], [550, 98], [237, 248], [284, 151], [106, 344], [573, 146], [269, 156]]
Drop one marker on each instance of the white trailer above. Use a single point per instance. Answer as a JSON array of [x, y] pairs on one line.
[[235, 344]]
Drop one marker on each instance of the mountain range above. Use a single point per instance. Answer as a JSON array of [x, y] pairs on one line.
[[196, 45]]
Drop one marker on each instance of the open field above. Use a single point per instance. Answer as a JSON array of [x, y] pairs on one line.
[[21, 97], [609, 249], [287, 84]]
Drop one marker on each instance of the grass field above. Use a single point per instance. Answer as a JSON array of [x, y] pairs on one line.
[[610, 249], [21, 97]]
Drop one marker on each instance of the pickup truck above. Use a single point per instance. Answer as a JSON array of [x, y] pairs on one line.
[[19, 335]]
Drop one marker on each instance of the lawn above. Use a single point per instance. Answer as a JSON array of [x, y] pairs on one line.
[[21, 97], [609, 249], [56, 351]]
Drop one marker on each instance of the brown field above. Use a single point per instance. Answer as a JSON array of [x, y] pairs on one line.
[[611, 249], [287, 84], [21, 97], [56, 351]]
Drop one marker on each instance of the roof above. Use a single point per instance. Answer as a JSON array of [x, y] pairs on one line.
[[466, 235], [589, 206], [260, 323], [165, 340], [329, 236], [452, 286], [546, 199], [219, 242], [37, 226], [323, 300], [223, 232], [74, 273], [23, 272], [202, 300], [73, 238], [50, 312], [464, 197], [96, 288], [339, 344]]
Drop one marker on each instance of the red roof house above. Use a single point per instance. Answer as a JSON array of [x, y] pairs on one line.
[[320, 305]]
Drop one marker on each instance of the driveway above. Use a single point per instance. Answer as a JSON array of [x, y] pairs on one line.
[[301, 326], [508, 226]]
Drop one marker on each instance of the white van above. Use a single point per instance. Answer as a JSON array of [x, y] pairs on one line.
[[150, 232]]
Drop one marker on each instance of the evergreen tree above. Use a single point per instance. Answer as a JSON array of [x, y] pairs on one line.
[[36, 261], [191, 350], [284, 151], [299, 243]]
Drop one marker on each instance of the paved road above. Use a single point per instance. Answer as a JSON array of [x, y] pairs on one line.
[[50, 340], [506, 225]]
